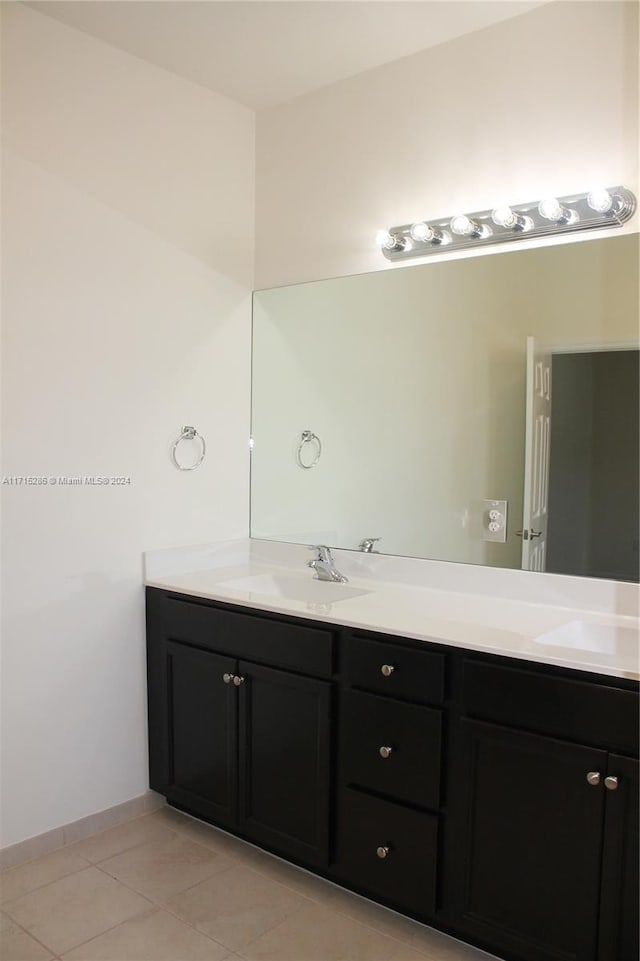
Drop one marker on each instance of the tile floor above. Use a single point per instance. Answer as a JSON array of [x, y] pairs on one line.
[[165, 887]]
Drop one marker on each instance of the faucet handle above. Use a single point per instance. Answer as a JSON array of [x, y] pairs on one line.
[[366, 545], [323, 552]]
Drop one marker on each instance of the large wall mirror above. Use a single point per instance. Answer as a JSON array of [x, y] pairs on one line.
[[482, 410]]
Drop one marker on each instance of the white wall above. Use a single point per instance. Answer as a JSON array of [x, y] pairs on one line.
[[544, 103], [128, 264]]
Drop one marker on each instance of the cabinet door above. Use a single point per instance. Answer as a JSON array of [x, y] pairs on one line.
[[532, 840], [201, 732], [284, 762], [619, 907]]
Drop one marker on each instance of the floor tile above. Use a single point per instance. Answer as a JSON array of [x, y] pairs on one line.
[[318, 934], [67, 912], [201, 833], [440, 947], [17, 945], [237, 906], [368, 912], [153, 937], [122, 838], [301, 881], [162, 868], [14, 882]]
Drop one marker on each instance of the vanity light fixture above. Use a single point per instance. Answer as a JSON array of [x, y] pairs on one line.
[[602, 207]]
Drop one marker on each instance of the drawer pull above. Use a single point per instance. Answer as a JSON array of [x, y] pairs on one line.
[[385, 752], [238, 680], [593, 778], [611, 783], [227, 678], [383, 851], [387, 670]]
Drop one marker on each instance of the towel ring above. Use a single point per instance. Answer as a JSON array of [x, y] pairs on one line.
[[189, 433], [308, 437]]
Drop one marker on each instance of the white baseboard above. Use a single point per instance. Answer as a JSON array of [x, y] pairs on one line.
[[79, 830]]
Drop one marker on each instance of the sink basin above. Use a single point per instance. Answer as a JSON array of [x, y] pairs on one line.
[[584, 636], [292, 588]]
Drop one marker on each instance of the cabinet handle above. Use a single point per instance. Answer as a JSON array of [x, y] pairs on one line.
[[387, 669], [383, 851], [593, 778], [611, 783], [385, 752], [227, 678], [238, 680]]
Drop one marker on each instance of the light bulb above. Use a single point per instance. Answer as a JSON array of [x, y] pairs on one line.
[[504, 217], [389, 241], [384, 239], [552, 209], [421, 232], [462, 226], [424, 234], [510, 220], [600, 200]]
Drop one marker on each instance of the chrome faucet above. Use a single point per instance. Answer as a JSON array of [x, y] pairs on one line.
[[324, 566], [366, 545]]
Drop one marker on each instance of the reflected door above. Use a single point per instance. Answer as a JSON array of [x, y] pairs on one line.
[[536, 467]]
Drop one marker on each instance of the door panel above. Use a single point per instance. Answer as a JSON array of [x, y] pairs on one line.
[[202, 732], [284, 761], [619, 908], [531, 856], [536, 467]]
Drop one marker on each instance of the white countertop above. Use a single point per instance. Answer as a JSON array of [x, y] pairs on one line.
[[594, 641]]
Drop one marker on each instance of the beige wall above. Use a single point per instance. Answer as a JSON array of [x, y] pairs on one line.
[[126, 309], [544, 103]]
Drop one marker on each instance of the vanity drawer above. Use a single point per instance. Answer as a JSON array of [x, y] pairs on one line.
[[259, 638], [405, 876], [387, 667], [597, 714], [391, 748]]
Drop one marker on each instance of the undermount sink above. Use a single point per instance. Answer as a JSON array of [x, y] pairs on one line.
[[308, 589], [585, 636]]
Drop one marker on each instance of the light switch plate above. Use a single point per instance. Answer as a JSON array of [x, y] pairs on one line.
[[494, 521]]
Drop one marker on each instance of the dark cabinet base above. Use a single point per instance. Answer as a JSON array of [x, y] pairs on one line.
[[447, 785]]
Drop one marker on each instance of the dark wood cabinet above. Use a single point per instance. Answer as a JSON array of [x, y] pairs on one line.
[[545, 857], [284, 752], [530, 861], [201, 732], [494, 799], [241, 744], [620, 866]]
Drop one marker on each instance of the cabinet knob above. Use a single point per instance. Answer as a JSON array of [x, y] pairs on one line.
[[387, 669], [238, 680], [593, 778], [227, 678], [611, 783], [382, 851], [385, 752]]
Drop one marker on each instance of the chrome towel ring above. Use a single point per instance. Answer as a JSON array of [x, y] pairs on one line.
[[189, 433], [308, 437]]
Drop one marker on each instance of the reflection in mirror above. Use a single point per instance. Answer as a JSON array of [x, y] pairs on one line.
[[415, 381]]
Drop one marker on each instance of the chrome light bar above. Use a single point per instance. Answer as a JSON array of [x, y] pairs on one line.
[[609, 207]]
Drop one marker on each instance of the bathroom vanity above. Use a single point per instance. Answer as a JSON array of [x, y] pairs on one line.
[[489, 790]]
